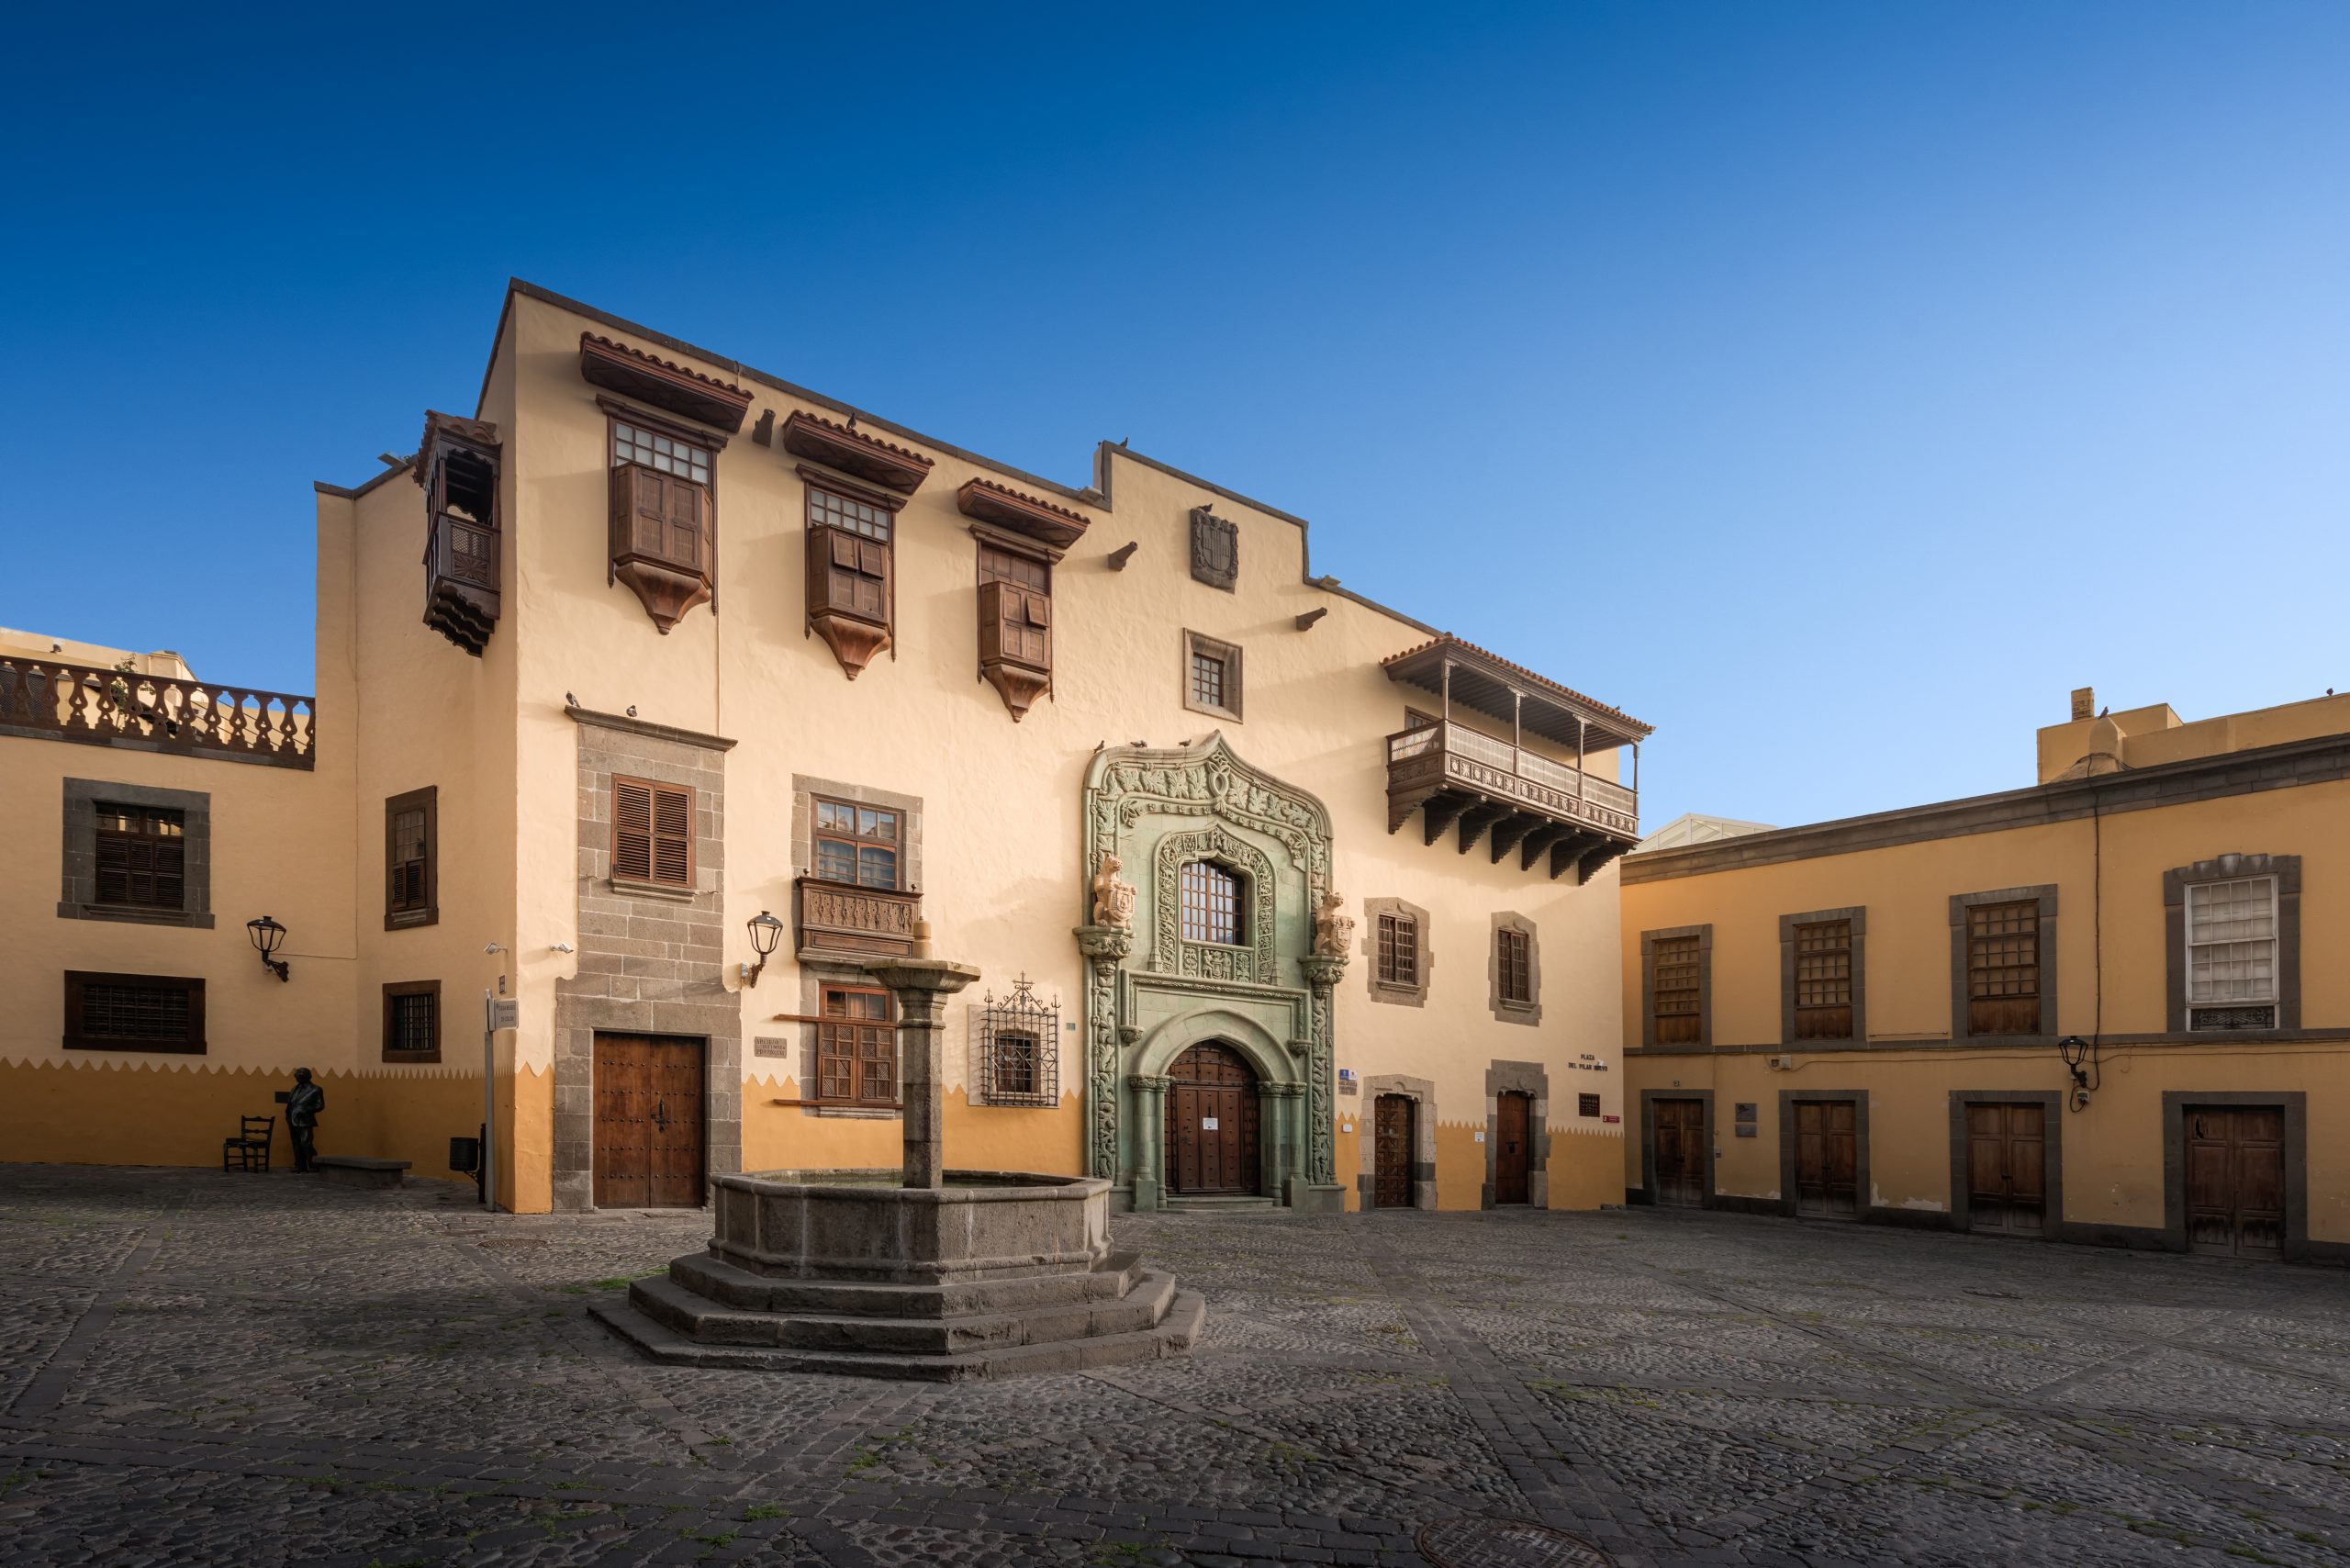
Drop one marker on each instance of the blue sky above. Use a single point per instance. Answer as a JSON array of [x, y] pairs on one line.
[[1834, 385]]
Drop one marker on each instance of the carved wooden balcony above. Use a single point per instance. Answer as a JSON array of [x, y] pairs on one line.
[[843, 921], [50, 701], [1512, 798]]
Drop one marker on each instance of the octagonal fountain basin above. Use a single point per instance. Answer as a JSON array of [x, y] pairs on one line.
[[997, 1272], [863, 1225]]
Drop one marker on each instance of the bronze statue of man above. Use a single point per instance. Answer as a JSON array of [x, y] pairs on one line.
[[302, 1110]]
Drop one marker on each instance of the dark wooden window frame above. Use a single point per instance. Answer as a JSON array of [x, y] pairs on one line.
[[78, 1039], [2286, 870], [1415, 992], [1649, 940], [395, 917], [396, 989], [857, 1100], [142, 827], [1960, 991], [1513, 971], [1857, 915], [1200, 645], [1504, 1007], [710, 445], [78, 889], [817, 835], [651, 879], [1398, 937], [1788, 1099]]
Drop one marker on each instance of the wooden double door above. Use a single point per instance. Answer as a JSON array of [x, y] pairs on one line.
[[649, 1113], [1211, 1146], [2235, 1180], [2007, 1168], [1393, 1124], [1828, 1159], [1677, 1135]]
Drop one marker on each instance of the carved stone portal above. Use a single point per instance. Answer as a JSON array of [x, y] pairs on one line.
[[1150, 992]]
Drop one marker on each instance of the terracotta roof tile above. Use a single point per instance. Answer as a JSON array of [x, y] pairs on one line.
[[1448, 640], [724, 389]]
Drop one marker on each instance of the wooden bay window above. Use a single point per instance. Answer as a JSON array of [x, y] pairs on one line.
[[852, 599], [663, 514]]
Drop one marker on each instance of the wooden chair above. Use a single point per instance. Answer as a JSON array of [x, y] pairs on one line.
[[250, 1148]]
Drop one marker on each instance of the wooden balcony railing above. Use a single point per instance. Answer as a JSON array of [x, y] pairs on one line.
[[840, 918], [51, 700], [1444, 756]]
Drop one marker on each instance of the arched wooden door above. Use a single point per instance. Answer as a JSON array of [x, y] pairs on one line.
[[1391, 1158], [1211, 1123], [1513, 1130]]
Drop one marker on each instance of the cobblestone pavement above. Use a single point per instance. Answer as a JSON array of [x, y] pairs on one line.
[[196, 1368]]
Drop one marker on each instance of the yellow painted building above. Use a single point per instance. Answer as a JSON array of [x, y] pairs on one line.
[[2098, 1009], [657, 692]]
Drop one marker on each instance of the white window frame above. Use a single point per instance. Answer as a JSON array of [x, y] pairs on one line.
[[2271, 994]]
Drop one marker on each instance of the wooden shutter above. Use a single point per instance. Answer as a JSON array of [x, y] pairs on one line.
[[672, 836], [686, 508], [1014, 623], [631, 830]]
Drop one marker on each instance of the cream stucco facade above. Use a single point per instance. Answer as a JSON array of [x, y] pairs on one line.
[[740, 703]]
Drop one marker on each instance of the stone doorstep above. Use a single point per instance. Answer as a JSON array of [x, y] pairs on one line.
[[1175, 1333], [669, 1304], [360, 1170], [730, 1285]]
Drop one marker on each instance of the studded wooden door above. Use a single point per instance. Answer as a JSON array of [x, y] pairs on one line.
[[1391, 1184], [2007, 1168], [1828, 1159], [1212, 1124], [648, 1141], [1677, 1132], [2235, 1180], [1513, 1151]]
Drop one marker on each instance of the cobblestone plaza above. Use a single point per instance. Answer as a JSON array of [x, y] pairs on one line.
[[237, 1369]]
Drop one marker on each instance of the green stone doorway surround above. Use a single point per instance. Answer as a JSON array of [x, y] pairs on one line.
[[1151, 992]]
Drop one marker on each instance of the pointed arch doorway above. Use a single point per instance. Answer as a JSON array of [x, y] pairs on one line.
[[1212, 1132]]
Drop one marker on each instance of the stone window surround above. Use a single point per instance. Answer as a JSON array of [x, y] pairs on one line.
[[1859, 917], [1234, 688], [1415, 995], [2052, 1154], [1530, 1011], [1704, 1098], [1533, 1081], [815, 974], [78, 894], [1649, 939], [2048, 1032], [2287, 870], [619, 988], [1422, 1092], [1863, 1205]]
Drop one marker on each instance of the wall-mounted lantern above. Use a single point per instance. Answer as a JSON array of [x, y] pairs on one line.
[[2076, 1051], [766, 932], [267, 934]]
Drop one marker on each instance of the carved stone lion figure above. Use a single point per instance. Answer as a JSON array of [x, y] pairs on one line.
[[1334, 930], [1113, 898]]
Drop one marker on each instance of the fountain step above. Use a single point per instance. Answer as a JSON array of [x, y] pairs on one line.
[[699, 1318], [1243, 1205], [731, 1285], [1172, 1334]]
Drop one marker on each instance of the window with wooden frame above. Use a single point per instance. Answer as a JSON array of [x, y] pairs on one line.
[[2003, 968], [2232, 954], [1211, 904], [141, 856], [1587, 1104], [1015, 625], [412, 1021], [411, 842], [664, 513], [1399, 950], [1674, 992], [861, 845], [652, 833], [851, 594], [1514, 967], [134, 1013], [856, 1047], [1210, 677], [1823, 959]]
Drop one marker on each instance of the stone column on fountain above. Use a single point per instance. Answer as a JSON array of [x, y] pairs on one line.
[[922, 985]]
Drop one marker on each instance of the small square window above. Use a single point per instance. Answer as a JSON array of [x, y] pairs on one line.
[[1212, 676]]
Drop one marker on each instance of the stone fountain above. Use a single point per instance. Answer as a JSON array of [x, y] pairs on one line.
[[924, 1272]]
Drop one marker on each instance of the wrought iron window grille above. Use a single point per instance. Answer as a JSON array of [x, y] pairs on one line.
[[1020, 1051]]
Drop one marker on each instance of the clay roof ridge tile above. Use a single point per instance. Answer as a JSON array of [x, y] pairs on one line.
[[729, 389]]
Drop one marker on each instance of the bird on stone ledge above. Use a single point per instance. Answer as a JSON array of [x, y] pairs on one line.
[[569, 700], [631, 710]]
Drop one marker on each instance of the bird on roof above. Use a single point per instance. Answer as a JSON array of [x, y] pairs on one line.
[[569, 700], [2104, 711]]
